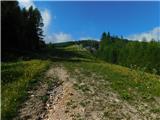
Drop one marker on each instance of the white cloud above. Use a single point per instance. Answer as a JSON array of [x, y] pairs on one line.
[[88, 38], [152, 34], [59, 37], [26, 3], [46, 16]]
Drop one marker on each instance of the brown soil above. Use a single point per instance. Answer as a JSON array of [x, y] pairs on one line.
[[78, 97], [65, 94], [35, 106]]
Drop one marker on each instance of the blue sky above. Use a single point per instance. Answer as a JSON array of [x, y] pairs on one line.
[[66, 21]]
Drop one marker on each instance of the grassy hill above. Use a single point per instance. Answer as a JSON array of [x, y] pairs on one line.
[[105, 90]]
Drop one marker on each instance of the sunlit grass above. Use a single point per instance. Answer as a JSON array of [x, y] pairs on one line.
[[17, 77], [130, 84]]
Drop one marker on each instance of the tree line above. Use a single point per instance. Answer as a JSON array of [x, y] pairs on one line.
[[21, 28], [134, 54]]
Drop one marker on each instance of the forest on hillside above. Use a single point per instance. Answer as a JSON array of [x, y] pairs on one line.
[[22, 30], [134, 54], [114, 78]]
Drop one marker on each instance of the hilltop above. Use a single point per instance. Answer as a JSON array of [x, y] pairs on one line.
[[69, 82], [105, 75]]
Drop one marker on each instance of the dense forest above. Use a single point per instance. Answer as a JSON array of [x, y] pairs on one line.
[[84, 43], [140, 55], [21, 28]]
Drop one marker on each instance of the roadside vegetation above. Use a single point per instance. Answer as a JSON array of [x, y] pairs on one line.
[[87, 73], [134, 54], [17, 78], [130, 84], [138, 88], [105, 85]]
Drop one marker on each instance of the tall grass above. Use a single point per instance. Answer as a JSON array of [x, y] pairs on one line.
[[130, 84], [17, 77]]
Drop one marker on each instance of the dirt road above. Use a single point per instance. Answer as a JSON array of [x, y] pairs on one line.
[[77, 97], [71, 103]]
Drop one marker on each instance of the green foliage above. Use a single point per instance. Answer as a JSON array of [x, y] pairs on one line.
[[130, 84], [17, 77], [156, 110], [84, 43], [141, 55], [84, 103], [21, 28], [11, 74], [44, 98], [126, 96]]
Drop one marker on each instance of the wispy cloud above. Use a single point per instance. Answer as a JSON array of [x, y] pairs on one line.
[[26, 3], [88, 38], [59, 37], [46, 15], [148, 36]]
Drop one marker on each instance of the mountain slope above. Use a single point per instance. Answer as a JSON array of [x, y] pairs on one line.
[[79, 86]]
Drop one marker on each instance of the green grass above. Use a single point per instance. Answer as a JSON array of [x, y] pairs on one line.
[[17, 77], [130, 84]]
